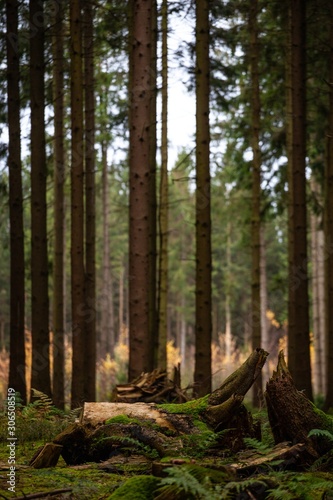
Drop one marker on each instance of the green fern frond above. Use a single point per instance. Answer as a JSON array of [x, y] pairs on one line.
[[259, 446], [321, 433]]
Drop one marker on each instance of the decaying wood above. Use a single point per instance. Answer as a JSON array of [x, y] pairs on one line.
[[47, 456], [108, 428], [154, 387], [285, 453], [241, 380], [292, 415], [43, 494]]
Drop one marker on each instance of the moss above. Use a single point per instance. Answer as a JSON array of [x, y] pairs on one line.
[[193, 408], [137, 488], [121, 419]]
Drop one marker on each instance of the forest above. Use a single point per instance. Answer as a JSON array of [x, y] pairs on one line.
[[127, 261]]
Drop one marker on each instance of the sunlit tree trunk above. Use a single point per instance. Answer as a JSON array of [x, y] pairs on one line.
[[318, 299], [77, 210], [298, 328], [139, 203], [90, 225], [228, 334], [59, 210], [328, 225], [163, 212], [40, 369], [17, 376], [256, 178], [203, 298]]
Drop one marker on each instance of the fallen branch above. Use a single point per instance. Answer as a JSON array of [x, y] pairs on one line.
[[44, 494]]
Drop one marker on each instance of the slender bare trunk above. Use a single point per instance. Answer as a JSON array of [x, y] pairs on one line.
[[203, 306], [163, 212], [17, 376], [40, 370], [59, 211]]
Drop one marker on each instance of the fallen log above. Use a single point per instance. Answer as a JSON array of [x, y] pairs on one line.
[[292, 415], [111, 428]]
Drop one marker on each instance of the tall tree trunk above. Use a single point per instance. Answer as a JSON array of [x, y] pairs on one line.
[[328, 225], [139, 156], [107, 343], [90, 225], [163, 212], [153, 315], [256, 179], [77, 211], [228, 334], [203, 297], [298, 334], [59, 209], [17, 376], [40, 369], [263, 302], [318, 302]]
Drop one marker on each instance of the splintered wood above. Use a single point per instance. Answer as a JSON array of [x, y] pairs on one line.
[[154, 387]]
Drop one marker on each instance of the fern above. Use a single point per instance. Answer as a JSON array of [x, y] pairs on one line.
[[192, 481], [259, 446], [129, 443], [321, 433]]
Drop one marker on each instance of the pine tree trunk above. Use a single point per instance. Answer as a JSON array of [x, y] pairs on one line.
[[263, 302], [203, 293], [153, 315], [40, 369], [318, 290], [59, 211], [163, 212], [90, 224], [139, 155], [298, 333], [328, 225], [77, 210], [17, 376], [256, 179], [107, 335]]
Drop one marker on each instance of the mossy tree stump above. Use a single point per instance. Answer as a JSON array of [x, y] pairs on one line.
[[292, 415], [106, 429]]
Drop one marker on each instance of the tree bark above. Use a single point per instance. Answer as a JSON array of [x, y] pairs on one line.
[[292, 415], [163, 211], [77, 210], [90, 212], [139, 230], [40, 369], [328, 228], [256, 181], [203, 292], [59, 211], [17, 376], [298, 329]]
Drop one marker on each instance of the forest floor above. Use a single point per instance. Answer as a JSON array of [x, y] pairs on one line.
[[184, 479]]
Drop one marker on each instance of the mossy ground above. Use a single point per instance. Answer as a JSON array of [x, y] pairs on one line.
[[90, 482]]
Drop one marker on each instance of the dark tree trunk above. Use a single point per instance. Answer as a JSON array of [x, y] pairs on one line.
[[17, 377], [59, 210], [256, 181], [328, 228], [298, 326], [77, 211], [90, 225], [40, 369], [139, 158], [203, 297]]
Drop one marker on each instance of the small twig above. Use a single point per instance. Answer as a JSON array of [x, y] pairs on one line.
[[44, 494]]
